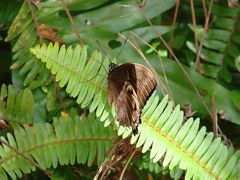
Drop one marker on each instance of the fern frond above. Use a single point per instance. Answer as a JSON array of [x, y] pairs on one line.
[[164, 134], [85, 77], [68, 141], [23, 28], [16, 107], [221, 42]]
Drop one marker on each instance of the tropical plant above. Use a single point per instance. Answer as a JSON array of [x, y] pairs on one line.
[[68, 129]]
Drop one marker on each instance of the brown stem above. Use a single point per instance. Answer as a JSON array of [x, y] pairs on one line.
[[194, 24], [197, 64], [72, 23], [214, 117], [204, 9], [174, 22], [126, 165]]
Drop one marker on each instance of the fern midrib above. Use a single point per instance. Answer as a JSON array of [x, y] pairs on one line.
[[15, 155], [196, 160], [91, 81]]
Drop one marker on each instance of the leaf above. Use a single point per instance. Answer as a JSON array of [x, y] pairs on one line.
[[235, 97], [219, 45], [191, 148], [50, 145], [84, 78], [16, 107]]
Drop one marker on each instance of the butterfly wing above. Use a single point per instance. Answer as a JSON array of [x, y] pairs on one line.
[[145, 84], [127, 107], [129, 86]]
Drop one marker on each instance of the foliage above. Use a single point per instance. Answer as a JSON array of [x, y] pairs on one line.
[[67, 141], [163, 133], [16, 107], [8, 11], [162, 130], [60, 127], [85, 77], [220, 43]]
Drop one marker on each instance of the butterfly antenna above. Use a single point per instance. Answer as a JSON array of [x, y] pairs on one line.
[[104, 52], [121, 48]]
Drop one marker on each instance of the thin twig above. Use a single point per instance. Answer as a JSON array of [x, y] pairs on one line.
[[126, 165], [226, 140], [72, 23], [174, 22], [178, 62], [107, 160], [194, 24], [204, 9], [27, 159], [214, 117], [35, 21], [203, 34]]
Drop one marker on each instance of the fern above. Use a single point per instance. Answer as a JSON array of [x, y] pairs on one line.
[[24, 35], [8, 11], [220, 44], [164, 134], [85, 77], [162, 131], [16, 107], [35, 73], [65, 142]]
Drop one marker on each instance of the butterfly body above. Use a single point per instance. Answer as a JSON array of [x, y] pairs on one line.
[[129, 87]]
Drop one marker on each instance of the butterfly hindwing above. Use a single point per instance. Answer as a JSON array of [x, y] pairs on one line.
[[127, 106]]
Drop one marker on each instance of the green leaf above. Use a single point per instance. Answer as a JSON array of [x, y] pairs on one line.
[[50, 145], [235, 97], [193, 150]]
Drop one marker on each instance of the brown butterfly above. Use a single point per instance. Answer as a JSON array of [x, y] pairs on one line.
[[129, 87]]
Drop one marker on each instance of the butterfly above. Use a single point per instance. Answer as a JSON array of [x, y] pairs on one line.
[[129, 87]]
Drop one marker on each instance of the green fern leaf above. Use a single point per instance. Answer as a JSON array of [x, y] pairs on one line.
[[85, 77], [23, 28], [66, 142], [16, 107], [220, 42], [182, 144]]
